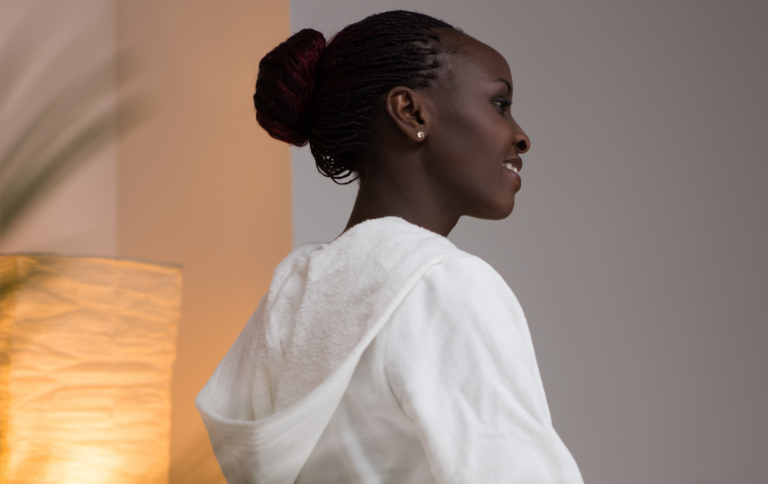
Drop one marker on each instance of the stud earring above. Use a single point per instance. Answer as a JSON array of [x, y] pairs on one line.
[[421, 135]]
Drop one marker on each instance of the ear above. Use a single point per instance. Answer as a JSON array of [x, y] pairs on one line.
[[409, 110]]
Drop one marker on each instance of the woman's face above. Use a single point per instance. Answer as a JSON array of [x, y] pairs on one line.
[[474, 141]]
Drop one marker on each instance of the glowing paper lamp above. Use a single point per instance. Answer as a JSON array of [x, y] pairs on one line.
[[86, 350]]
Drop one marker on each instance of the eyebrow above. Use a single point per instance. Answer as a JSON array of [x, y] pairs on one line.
[[509, 86]]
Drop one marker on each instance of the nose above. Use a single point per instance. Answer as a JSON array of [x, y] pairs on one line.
[[521, 140]]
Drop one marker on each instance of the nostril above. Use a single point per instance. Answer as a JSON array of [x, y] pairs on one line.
[[521, 146]]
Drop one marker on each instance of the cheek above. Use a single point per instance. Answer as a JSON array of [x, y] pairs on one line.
[[474, 145], [469, 139], [473, 150]]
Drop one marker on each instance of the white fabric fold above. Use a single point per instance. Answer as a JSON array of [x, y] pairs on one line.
[[272, 395], [386, 356]]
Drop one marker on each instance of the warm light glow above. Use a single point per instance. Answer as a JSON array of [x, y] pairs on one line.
[[86, 351]]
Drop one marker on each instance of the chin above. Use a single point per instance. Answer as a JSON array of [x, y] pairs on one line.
[[498, 211], [507, 212]]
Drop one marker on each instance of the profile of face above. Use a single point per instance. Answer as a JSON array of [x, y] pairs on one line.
[[472, 144], [433, 151]]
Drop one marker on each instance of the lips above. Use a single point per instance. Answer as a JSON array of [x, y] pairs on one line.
[[513, 164]]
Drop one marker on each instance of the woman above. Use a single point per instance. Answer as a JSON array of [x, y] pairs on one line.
[[389, 355]]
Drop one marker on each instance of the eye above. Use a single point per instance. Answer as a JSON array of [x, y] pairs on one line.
[[502, 103]]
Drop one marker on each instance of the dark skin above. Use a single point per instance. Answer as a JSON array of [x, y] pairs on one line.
[[457, 168]]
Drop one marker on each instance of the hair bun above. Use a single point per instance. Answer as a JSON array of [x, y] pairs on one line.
[[283, 97]]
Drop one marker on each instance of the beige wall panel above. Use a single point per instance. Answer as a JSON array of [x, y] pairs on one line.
[[200, 184]]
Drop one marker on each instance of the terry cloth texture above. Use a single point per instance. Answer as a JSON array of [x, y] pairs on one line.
[[385, 356]]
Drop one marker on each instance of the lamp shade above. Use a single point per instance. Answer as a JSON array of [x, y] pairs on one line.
[[86, 353]]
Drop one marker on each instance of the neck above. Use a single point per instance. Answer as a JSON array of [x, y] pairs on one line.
[[380, 197]]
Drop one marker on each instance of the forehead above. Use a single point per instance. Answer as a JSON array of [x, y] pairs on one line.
[[469, 60]]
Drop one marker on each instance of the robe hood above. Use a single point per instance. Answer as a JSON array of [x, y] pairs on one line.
[[275, 391]]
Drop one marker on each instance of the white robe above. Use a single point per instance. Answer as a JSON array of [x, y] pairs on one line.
[[385, 356]]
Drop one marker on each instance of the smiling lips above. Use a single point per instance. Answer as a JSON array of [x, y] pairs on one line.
[[515, 164]]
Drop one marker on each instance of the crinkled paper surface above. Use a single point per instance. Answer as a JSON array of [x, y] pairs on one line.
[[86, 353]]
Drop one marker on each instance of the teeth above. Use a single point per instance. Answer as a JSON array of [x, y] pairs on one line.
[[510, 167]]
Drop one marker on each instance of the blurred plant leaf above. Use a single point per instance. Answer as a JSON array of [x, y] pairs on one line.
[[68, 128]]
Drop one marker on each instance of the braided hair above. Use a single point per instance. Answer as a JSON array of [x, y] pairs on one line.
[[325, 95]]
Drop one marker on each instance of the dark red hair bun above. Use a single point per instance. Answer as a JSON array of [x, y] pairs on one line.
[[308, 91], [283, 97]]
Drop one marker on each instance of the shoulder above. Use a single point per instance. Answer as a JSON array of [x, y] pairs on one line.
[[460, 310], [466, 285]]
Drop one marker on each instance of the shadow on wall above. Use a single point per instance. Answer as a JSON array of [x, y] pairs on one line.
[[57, 129]]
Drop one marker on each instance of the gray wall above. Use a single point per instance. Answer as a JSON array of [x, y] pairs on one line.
[[637, 242]]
